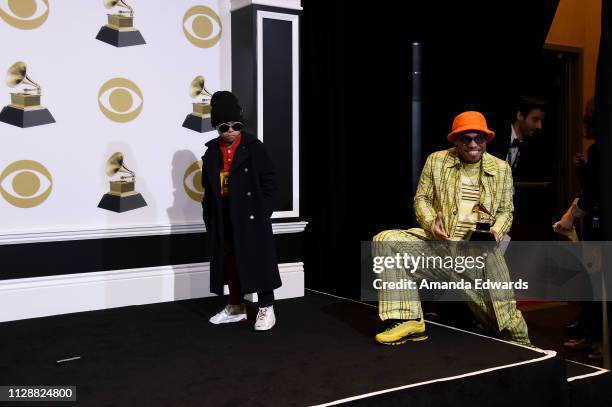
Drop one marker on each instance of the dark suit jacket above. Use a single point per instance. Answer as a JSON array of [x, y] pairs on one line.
[[534, 162]]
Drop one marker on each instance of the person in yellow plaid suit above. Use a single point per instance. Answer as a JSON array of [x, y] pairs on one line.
[[451, 184]]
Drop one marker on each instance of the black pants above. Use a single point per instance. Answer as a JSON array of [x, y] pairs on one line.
[[264, 298], [590, 318]]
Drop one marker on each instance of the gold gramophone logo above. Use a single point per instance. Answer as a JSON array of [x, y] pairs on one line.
[[25, 109], [199, 119], [202, 26], [120, 31], [192, 181], [25, 183], [24, 14], [120, 100], [122, 195]]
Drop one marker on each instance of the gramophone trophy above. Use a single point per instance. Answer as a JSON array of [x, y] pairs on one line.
[[483, 226], [120, 31], [199, 119], [25, 109], [122, 197]]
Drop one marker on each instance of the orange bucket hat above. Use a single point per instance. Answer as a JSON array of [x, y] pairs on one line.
[[466, 121]]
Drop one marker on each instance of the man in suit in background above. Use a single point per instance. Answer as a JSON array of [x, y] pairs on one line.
[[519, 144], [530, 157]]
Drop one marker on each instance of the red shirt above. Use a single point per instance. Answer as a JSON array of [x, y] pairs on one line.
[[228, 156], [228, 152]]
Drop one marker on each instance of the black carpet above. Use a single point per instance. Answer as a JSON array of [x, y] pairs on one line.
[[546, 331], [321, 350], [588, 391]]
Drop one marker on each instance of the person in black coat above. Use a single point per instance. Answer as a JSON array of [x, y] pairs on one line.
[[239, 190], [586, 331]]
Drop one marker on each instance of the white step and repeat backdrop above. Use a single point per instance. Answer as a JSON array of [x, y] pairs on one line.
[[107, 99]]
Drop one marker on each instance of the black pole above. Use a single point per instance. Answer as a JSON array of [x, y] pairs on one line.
[[416, 117]]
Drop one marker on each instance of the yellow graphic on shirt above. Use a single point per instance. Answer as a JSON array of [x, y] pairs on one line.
[[224, 177]]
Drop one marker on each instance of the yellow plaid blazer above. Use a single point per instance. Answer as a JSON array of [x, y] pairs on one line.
[[439, 190]]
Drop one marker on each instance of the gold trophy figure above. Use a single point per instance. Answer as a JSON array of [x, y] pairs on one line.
[[25, 109], [120, 31], [199, 119], [122, 196], [483, 225]]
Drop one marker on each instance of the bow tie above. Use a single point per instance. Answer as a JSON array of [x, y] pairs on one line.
[[515, 143]]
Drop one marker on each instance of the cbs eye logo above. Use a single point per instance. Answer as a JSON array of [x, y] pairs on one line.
[[24, 14], [120, 100], [202, 26], [25, 184], [192, 181]]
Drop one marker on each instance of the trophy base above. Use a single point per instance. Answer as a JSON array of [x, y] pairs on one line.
[[25, 118], [199, 124], [480, 236], [120, 204], [120, 39]]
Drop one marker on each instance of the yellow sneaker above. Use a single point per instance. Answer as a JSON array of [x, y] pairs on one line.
[[403, 332]]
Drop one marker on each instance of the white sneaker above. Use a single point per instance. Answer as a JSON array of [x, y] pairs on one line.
[[231, 313], [265, 319]]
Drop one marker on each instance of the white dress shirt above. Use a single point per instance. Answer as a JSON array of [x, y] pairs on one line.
[[512, 151]]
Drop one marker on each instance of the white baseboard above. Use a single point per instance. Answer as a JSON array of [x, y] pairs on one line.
[[40, 236], [54, 295]]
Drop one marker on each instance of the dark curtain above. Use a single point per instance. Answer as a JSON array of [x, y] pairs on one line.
[[603, 107], [356, 82], [603, 123]]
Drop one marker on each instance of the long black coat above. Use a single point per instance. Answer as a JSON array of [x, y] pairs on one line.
[[252, 191], [591, 191]]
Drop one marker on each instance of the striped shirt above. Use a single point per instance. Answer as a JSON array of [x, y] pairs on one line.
[[470, 196]]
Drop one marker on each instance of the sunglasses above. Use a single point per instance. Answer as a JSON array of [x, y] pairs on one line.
[[226, 126], [465, 139]]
